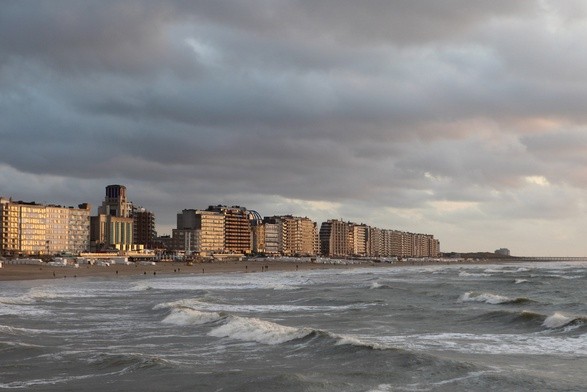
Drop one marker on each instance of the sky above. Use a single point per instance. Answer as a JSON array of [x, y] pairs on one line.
[[462, 119]]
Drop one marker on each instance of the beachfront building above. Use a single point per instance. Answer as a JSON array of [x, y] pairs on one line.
[[334, 238], [266, 237], [358, 234], [36, 229], [237, 228], [285, 235], [363, 240], [374, 240], [112, 228], [200, 232], [143, 227]]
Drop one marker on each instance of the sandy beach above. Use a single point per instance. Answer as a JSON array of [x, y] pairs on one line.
[[30, 272]]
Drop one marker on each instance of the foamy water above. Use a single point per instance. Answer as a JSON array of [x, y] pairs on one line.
[[517, 327]]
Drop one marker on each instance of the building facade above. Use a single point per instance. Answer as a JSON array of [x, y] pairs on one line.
[[144, 227], [366, 241], [112, 228], [37, 229], [204, 230], [237, 228], [334, 236]]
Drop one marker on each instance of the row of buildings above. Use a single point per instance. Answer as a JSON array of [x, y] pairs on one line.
[[31, 228], [222, 229]]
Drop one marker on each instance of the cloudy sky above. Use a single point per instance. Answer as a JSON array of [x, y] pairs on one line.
[[463, 119]]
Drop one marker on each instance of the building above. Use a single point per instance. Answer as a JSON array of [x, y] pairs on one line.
[[358, 235], [200, 232], [143, 227], [334, 238], [37, 229], [502, 252], [113, 227], [237, 228]]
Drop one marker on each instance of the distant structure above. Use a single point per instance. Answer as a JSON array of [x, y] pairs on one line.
[[199, 232], [348, 239], [143, 227], [503, 252], [28, 228], [112, 228], [334, 238], [285, 235], [237, 229]]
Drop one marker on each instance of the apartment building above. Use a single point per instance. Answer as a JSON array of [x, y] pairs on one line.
[[237, 228], [37, 229], [143, 227], [334, 238], [203, 231]]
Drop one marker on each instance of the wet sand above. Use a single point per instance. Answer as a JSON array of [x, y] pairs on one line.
[[29, 272]]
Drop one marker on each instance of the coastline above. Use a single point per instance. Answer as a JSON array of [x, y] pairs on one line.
[[13, 272]]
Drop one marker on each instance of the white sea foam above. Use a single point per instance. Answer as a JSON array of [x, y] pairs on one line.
[[535, 344], [187, 316], [468, 274], [557, 320], [488, 298], [375, 285], [256, 330], [200, 304], [518, 281]]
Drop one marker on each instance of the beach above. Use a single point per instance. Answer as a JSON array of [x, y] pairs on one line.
[[32, 272], [11, 272]]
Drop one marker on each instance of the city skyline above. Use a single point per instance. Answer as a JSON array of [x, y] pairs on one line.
[[460, 119]]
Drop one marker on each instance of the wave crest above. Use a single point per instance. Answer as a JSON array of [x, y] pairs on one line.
[[559, 320], [257, 330], [493, 299], [188, 316]]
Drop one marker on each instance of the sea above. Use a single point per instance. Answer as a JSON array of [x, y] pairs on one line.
[[491, 327]]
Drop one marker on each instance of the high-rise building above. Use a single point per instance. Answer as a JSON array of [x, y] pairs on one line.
[[31, 228], [334, 238], [203, 230], [112, 228], [289, 235], [358, 235], [143, 227], [237, 228]]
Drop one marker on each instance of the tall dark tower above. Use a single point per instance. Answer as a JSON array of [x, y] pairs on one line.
[[115, 203]]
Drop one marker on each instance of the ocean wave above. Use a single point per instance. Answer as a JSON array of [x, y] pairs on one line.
[[128, 361], [560, 320], [188, 316], [468, 274], [518, 281], [377, 285], [207, 304], [493, 299], [257, 330], [9, 330]]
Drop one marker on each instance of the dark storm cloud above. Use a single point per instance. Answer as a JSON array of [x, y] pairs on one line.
[[414, 112]]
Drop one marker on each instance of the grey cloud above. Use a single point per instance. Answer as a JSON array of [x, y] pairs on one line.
[[377, 109]]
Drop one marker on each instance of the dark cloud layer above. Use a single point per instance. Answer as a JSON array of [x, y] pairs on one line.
[[460, 118]]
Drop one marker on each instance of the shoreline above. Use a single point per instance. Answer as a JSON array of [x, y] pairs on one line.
[[14, 272]]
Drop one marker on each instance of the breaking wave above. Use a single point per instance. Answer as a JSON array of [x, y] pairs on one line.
[[468, 274], [493, 299], [257, 330], [559, 320], [188, 316]]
